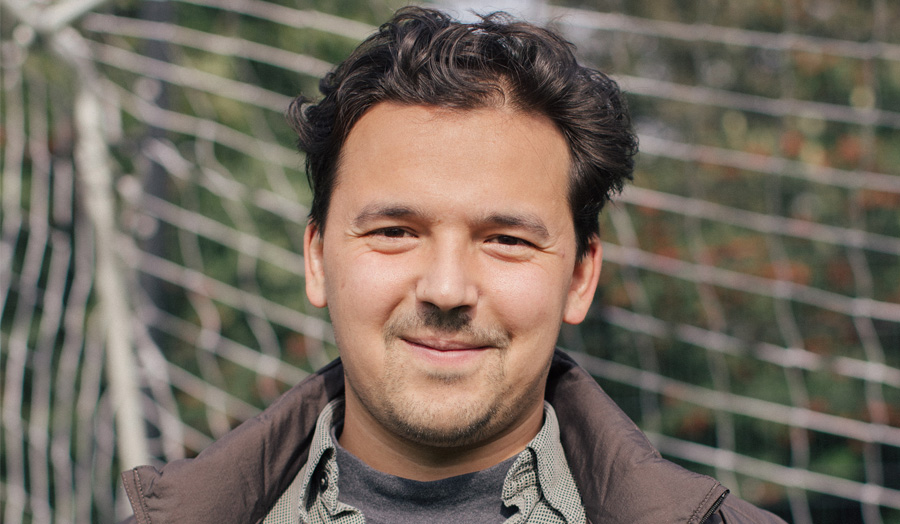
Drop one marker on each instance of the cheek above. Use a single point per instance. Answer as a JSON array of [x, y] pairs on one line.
[[362, 295], [529, 299], [363, 288]]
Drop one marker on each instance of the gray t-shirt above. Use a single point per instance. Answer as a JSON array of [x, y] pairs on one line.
[[538, 487], [386, 499]]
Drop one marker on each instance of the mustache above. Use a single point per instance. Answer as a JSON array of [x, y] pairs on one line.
[[451, 322]]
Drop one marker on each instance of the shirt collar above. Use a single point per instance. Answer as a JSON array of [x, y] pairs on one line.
[[320, 472], [540, 471]]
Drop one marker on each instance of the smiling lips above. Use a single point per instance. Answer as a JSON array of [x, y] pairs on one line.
[[440, 344]]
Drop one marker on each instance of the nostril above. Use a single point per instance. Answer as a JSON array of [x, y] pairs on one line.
[[444, 320]]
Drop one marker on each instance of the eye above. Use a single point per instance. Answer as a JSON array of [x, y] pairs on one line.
[[508, 240], [391, 239], [391, 232]]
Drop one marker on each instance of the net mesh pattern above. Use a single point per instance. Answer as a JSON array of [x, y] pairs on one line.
[[153, 208]]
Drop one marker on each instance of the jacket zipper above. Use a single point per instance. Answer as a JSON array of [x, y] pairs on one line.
[[712, 509]]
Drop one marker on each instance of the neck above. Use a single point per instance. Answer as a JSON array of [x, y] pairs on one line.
[[397, 455]]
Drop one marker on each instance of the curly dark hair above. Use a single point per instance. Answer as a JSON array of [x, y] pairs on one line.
[[424, 57]]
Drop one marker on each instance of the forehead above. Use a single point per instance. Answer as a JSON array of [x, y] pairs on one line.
[[414, 134], [387, 113], [481, 161]]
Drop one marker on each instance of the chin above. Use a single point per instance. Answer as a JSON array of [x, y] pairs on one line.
[[447, 425]]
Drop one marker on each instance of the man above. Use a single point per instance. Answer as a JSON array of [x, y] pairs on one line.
[[458, 171]]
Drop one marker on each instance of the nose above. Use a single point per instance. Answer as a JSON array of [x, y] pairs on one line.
[[448, 280]]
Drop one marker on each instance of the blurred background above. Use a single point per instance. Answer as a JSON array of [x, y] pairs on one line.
[[153, 206]]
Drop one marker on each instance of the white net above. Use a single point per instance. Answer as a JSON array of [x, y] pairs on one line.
[[151, 289]]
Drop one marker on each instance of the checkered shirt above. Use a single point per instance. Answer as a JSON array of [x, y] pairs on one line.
[[539, 483]]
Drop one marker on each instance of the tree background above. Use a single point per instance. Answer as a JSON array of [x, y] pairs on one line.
[[151, 290]]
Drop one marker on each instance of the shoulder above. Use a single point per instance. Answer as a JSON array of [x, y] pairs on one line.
[[246, 471], [612, 461]]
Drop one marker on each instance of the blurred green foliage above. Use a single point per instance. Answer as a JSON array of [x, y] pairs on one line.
[[780, 119]]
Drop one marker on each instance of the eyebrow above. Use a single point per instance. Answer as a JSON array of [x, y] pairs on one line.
[[524, 221], [377, 211]]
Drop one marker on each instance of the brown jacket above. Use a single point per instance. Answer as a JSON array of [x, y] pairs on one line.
[[622, 478]]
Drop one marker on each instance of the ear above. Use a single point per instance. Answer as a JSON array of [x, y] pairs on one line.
[[584, 283], [314, 265]]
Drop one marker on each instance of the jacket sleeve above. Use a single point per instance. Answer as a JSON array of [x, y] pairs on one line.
[[737, 511], [241, 476]]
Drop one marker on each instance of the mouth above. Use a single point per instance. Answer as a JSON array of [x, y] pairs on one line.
[[444, 344], [444, 355]]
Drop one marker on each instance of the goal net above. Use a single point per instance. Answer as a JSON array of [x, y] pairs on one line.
[[152, 209]]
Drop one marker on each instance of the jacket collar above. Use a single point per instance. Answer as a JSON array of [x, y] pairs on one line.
[[621, 477], [240, 476]]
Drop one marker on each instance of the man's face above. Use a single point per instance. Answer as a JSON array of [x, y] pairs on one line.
[[448, 265]]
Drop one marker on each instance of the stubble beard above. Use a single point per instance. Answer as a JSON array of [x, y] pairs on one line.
[[444, 416], [452, 421]]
